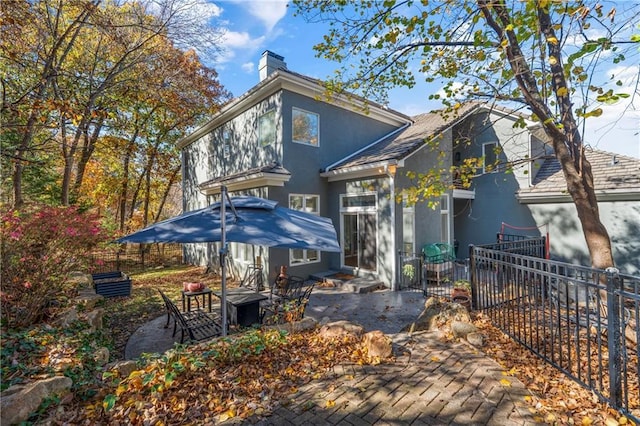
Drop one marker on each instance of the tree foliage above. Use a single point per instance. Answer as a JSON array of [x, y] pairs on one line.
[[548, 56], [78, 75], [40, 248]]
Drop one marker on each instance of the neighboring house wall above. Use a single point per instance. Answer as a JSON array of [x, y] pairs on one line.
[[621, 218]]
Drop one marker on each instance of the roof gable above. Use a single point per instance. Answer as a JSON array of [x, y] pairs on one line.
[[397, 147]]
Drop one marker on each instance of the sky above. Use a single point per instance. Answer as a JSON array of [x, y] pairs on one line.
[[253, 26]]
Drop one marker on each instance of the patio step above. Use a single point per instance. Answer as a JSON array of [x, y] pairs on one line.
[[329, 280]]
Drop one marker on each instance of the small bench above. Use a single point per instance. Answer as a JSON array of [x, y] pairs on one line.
[[197, 325]]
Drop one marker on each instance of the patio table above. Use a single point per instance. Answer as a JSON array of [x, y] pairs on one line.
[[243, 306], [188, 295]]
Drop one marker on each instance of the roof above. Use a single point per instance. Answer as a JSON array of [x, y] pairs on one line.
[[270, 175], [274, 168], [399, 146], [613, 174]]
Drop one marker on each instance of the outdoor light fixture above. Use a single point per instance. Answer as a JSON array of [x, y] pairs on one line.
[[391, 169]]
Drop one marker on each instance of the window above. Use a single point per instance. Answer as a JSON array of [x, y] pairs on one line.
[[226, 138], [490, 154], [408, 231], [365, 200], [305, 127], [243, 253], [309, 204], [444, 216], [267, 128]]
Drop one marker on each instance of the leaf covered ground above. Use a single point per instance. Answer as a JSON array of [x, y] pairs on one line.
[[246, 375]]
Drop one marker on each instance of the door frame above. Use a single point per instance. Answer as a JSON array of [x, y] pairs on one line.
[[368, 208]]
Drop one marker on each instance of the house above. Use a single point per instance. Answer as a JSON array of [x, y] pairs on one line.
[[348, 159]]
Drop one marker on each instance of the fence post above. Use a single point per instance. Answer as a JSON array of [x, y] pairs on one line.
[[399, 273], [614, 338], [475, 302]]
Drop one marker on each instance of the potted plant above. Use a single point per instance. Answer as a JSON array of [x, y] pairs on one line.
[[461, 287], [461, 293], [409, 271]]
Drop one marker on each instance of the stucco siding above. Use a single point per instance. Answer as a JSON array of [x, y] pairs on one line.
[[427, 223], [567, 242], [342, 132]]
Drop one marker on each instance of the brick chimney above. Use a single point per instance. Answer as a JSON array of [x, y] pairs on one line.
[[269, 63]]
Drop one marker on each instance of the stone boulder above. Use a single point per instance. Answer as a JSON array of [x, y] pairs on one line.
[[462, 329], [122, 368], [475, 339], [438, 314], [81, 280], [377, 344], [19, 401], [94, 319], [101, 356], [68, 317], [88, 298], [341, 328]]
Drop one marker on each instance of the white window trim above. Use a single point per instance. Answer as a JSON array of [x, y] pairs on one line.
[[275, 136], [445, 212], [226, 140], [305, 260], [410, 210], [318, 129], [373, 208], [359, 209]]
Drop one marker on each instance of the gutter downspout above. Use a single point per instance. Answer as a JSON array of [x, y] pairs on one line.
[[342, 160], [391, 172]]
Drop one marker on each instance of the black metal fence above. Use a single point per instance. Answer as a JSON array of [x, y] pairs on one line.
[[583, 321], [433, 278], [437, 274], [136, 257]]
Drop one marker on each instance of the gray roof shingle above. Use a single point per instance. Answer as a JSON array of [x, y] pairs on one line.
[[610, 172]]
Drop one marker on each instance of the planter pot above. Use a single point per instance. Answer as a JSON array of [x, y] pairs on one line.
[[463, 300], [457, 291], [193, 287], [112, 284]]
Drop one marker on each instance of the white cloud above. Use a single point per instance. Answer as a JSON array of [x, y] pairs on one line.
[[248, 67], [269, 12], [236, 40]]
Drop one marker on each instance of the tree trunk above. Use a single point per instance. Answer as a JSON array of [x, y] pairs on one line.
[[172, 179], [563, 132], [87, 151]]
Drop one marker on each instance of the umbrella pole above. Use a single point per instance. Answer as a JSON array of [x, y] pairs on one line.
[[223, 260]]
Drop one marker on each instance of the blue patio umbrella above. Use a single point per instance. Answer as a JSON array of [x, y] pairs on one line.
[[249, 220]]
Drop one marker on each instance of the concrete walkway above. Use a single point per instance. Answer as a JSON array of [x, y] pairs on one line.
[[431, 383]]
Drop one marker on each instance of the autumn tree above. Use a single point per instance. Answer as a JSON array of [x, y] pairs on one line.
[[68, 67], [546, 55]]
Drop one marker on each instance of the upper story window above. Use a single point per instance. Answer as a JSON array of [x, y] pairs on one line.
[[226, 138], [490, 153], [306, 127], [309, 204], [267, 128]]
